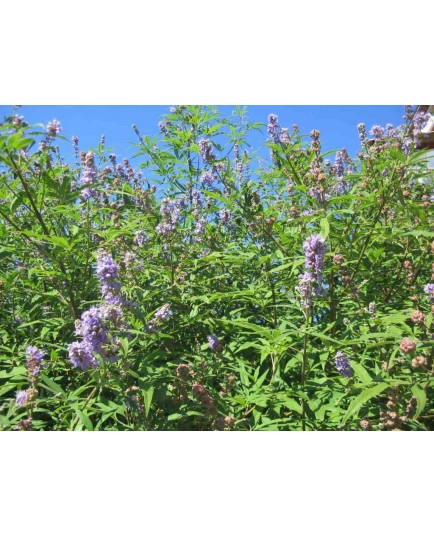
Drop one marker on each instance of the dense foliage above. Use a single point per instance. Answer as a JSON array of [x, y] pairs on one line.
[[212, 290]]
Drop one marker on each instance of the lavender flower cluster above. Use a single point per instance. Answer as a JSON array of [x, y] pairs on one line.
[[420, 120], [108, 273], [34, 358], [199, 230], [215, 343], [225, 216], [205, 148], [164, 312], [429, 291], [343, 365], [93, 327], [88, 176], [53, 128], [207, 179], [140, 237], [314, 251], [161, 315], [171, 212], [273, 127], [311, 280]]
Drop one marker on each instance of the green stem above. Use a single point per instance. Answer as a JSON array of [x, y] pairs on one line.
[[303, 369]]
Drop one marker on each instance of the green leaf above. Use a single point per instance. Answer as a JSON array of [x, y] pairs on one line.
[[363, 397], [58, 241], [16, 141], [243, 375], [281, 267], [175, 417], [293, 405], [51, 385], [84, 418], [147, 398], [125, 345], [361, 372], [325, 227], [420, 396]]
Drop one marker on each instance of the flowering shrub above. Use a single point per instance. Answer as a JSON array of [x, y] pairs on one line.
[[205, 290]]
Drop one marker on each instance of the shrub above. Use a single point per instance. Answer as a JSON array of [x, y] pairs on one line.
[[208, 291]]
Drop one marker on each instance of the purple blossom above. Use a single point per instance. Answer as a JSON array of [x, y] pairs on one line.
[[207, 179], [273, 127], [407, 145], [218, 167], [34, 359], [17, 120], [429, 290], [314, 250], [163, 126], [390, 130], [164, 312], [165, 228], [310, 281], [81, 355], [284, 136], [140, 237], [339, 164], [107, 271], [165, 207], [420, 120], [88, 193], [92, 329], [196, 199], [53, 128], [22, 397], [316, 193], [408, 112], [342, 187], [307, 212], [206, 150], [171, 212], [377, 131], [343, 365], [88, 171], [225, 215], [199, 230], [130, 260], [214, 343], [305, 288], [112, 314]]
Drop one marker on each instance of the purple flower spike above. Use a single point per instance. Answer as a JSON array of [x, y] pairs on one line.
[[214, 343], [164, 312], [429, 290], [310, 281], [206, 150], [108, 273], [81, 355], [53, 128], [34, 359], [342, 365], [22, 397]]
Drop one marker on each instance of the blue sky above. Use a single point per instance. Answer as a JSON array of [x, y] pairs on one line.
[[337, 124]]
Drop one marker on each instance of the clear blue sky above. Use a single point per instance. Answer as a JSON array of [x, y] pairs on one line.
[[337, 124]]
